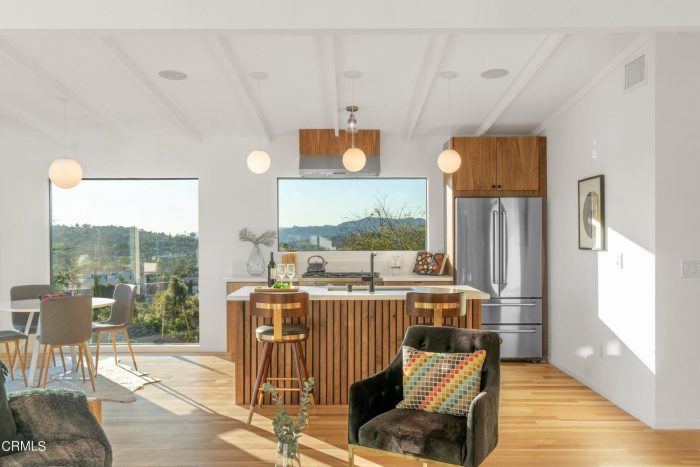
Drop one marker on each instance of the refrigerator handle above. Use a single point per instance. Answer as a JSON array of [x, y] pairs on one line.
[[504, 248], [494, 278]]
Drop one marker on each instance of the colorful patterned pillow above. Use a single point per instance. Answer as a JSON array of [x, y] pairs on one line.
[[440, 382]]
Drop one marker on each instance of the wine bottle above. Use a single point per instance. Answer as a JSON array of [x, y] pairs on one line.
[[271, 268]]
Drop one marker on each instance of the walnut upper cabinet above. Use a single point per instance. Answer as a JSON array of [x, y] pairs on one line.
[[494, 164], [478, 171]]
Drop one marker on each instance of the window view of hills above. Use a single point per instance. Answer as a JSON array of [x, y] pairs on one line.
[[141, 232], [92, 260], [369, 233], [352, 214]]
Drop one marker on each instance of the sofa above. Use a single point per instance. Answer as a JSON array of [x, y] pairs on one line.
[[53, 427]]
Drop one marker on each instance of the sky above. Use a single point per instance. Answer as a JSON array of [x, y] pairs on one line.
[[169, 206], [304, 202]]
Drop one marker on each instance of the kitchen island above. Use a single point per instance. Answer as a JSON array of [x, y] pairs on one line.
[[353, 335]]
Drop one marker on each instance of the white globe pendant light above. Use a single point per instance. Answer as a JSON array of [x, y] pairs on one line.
[[65, 172], [354, 159], [449, 160], [259, 161]]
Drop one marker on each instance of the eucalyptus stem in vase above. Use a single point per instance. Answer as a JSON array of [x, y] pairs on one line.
[[287, 429], [256, 261]]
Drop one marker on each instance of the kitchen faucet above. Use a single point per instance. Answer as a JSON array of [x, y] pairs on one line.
[[371, 272]]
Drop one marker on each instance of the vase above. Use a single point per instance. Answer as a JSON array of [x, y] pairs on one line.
[[287, 455], [256, 262]]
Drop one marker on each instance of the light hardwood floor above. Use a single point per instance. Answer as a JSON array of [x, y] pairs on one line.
[[547, 419]]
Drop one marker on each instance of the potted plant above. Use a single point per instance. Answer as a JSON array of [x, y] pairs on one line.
[[256, 261], [288, 430]]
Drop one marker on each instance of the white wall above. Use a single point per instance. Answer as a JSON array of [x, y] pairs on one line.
[[601, 315], [230, 197], [677, 229]]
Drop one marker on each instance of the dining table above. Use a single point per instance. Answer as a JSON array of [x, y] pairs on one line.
[[33, 306]]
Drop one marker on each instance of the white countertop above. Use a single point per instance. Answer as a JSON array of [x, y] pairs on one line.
[[246, 278], [408, 277], [391, 293]]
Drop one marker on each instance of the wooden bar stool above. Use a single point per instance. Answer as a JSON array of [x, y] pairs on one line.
[[435, 305], [278, 306]]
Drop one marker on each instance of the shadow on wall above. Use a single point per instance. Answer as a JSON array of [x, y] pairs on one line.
[[625, 301], [626, 297]]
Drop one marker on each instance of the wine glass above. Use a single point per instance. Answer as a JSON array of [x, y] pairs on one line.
[[291, 272], [281, 271]]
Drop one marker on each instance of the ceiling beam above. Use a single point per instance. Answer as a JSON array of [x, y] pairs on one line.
[[429, 69], [609, 68], [543, 51], [123, 57], [30, 121], [238, 80], [326, 45], [61, 89]]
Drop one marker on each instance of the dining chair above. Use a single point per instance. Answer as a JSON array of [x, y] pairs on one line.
[[65, 321], [19, 319], [118, 321], [13, 337]]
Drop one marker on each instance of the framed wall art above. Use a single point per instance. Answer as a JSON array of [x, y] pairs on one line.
[[591, 213]]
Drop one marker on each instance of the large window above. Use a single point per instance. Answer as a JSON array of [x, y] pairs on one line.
[[141, 232], [352, 214]]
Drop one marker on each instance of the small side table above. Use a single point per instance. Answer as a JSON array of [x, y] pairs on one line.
[[95, 408]]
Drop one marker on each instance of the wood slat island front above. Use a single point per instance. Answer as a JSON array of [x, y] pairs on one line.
[[352, 336]]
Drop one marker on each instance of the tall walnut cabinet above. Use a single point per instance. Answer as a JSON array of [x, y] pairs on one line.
[[501, 166]]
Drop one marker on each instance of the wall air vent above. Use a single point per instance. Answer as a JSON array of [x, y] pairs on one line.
[[636, 72]]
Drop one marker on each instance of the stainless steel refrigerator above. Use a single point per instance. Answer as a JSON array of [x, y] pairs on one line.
[[498, 249]]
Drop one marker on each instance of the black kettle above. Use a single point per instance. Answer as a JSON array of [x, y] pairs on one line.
[[316, 266]]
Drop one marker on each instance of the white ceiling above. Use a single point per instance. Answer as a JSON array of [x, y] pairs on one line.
[[112, 82]]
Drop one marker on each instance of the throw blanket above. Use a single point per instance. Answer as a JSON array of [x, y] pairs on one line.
[[61, 419]]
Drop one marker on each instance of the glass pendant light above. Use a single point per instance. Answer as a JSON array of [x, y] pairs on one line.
[[449, 160], [259, 161], [65, 172], [354, 159]]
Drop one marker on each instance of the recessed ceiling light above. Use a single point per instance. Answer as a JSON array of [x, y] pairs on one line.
[[352, 74], [173, 75], [494, 73]]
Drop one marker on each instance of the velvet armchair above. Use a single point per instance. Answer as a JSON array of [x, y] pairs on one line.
[[375, 424]]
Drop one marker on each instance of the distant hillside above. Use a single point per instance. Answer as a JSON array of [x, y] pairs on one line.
[[299, 238], [113, 247]]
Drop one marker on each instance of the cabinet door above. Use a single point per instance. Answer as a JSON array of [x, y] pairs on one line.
[[478, 169], [518, 163]]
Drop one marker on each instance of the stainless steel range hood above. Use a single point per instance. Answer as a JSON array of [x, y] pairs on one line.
[[321, 152], [332, 166]]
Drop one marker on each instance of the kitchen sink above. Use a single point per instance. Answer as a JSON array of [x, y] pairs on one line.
[[365, 288]]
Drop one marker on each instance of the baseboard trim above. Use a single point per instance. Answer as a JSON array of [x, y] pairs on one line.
[[678, 425], [149, 348], [583, 380]]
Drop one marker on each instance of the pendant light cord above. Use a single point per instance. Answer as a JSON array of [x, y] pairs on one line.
[[449, 119], [352, 103], [259, 120], [65, 131]]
